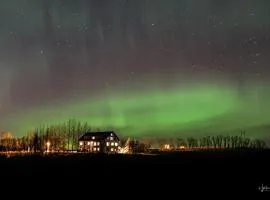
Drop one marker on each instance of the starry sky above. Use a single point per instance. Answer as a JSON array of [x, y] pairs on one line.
[[142, 67]]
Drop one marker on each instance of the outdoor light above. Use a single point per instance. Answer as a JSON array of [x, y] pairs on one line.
[[48, 146]]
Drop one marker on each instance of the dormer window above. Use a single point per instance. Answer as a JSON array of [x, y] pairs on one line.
[[93, 137]]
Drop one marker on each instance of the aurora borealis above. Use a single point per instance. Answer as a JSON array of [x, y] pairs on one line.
[[174, 68], [188, 109]]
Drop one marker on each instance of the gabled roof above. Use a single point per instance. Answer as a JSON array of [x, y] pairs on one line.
[[98, 135]]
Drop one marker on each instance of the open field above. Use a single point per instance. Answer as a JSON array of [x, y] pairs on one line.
[[209, 170]]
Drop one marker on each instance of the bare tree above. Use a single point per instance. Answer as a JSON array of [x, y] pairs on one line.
[[208, 141], [246, 142], [202, 142], [192, 142], [181, 142], [219, 140]]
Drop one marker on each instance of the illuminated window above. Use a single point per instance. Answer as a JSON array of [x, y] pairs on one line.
[[98, 143], [167, 146], [116, 144], [111, 134], [112, 149], [95, 149], [111, 138], [98, 149], [112, 143], [93, 137], [88, 143], [81, 143], [95, 143], [108, 144]]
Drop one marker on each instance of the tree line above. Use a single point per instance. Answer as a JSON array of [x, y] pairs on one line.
[[56, 137], [221, 142], [64, 137], [203, 143]]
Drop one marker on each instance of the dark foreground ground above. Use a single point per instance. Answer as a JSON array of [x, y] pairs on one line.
[[209, 172]]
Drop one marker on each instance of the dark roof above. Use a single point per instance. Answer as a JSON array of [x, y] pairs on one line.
[[98, 135]]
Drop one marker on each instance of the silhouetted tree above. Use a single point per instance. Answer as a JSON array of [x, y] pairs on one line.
[[202, 142], [36, 145], [181, 142], [208, 141], [219, 140], [246, 142], [192, 142]]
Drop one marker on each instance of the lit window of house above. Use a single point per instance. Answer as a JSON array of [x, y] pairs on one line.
[[81, 143], [108, 144], [91, 142], [111, 138], [112, 143], [88, 143], [95, 149], [93, 137], [98, 149], [95, 143], [111, 134], [112, 149], [116, 144], [167, 146]]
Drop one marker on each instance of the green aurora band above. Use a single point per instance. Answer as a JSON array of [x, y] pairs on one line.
[[180, 110]]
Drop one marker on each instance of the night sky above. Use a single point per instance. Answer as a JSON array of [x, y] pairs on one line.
[[141, 67]]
